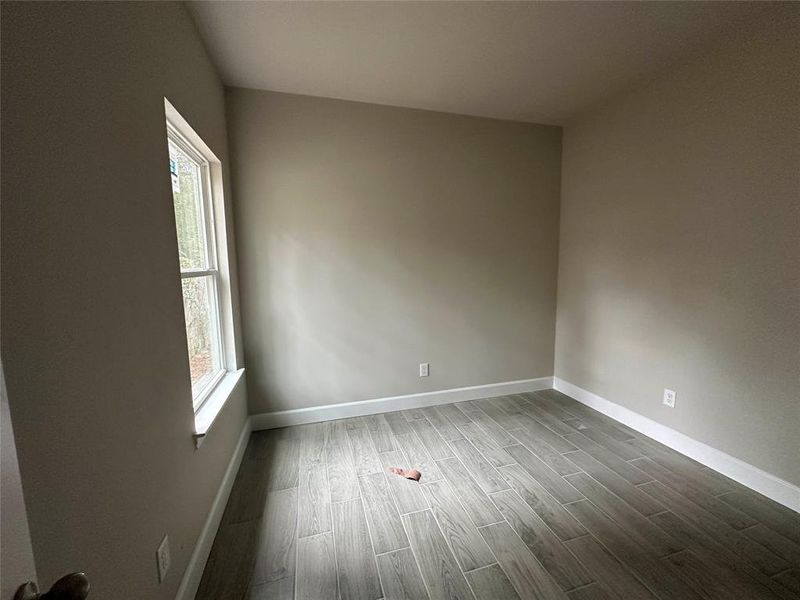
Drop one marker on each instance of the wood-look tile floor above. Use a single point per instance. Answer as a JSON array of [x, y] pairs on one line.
[[524, 496]]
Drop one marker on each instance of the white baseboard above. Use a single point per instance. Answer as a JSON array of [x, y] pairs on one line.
[[329, 412], [769, 485], [197, 562]]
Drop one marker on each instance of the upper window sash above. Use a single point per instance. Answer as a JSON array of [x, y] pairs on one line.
[[206, 198]]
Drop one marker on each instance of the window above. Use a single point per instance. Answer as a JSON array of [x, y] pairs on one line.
[[202, 253], [191, 194]]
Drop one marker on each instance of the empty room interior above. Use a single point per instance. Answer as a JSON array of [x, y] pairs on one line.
[[400, 300]]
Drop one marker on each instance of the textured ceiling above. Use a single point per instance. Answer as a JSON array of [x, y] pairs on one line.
[[543, 62]]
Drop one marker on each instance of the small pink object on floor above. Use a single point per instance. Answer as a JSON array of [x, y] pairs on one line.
[[407, 473]]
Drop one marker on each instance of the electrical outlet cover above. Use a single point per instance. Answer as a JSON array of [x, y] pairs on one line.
[[424, 369], [162, 559], [669, 397]]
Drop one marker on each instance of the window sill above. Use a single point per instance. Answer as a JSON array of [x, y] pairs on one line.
[[204, 418]]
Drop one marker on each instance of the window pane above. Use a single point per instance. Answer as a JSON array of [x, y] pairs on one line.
[[187, 195], [201, 330]]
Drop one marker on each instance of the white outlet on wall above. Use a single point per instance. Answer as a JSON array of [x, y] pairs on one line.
[[669, 397], [162, 558], [424, 369]]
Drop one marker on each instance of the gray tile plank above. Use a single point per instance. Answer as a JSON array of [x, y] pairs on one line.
[[774, 541], [342, 477], [314, 505], [506, 420], [569, 404], [656, 575], [326, 433], [790, 580], [549, 455], [259, 445], [418, 456], [576, 424], [336, 433], [413, 414], [312, 443], [276, 554], [527, 575], [433, 442], [446, 429], [439, 568], [459, 531], [283, 465], [615, 429], [689, 470], [721, 561], [590, 416], [549, 479], [541, 541], [355, 423], [750, 551], [773, 515], [697, 575], [621, 487], [733, 485], [732, 516], [249, 492], [507, 403], [381, 434], [491, 583], [466, 405], [497, 433], [286, 433], [607, 570], [364, 456], [385, 528], [400, 576], [564, 402], [612, 461], [543, 434], [594, 591], [479, 507], [397, 423], [316, 568], [483, 472], [548, 405], [496, 456], [650, 447], [407, 493], [545, 418], [543, 503], [355, 561], [453, 414], [283, 589], [231, 561], [624, 450], [628, 519]]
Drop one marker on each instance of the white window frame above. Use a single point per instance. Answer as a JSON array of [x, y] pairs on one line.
[[212, 272], [208, 401]]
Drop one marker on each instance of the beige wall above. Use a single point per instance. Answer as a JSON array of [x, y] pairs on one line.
[[93, 340], [680, 249], [375, 238]]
